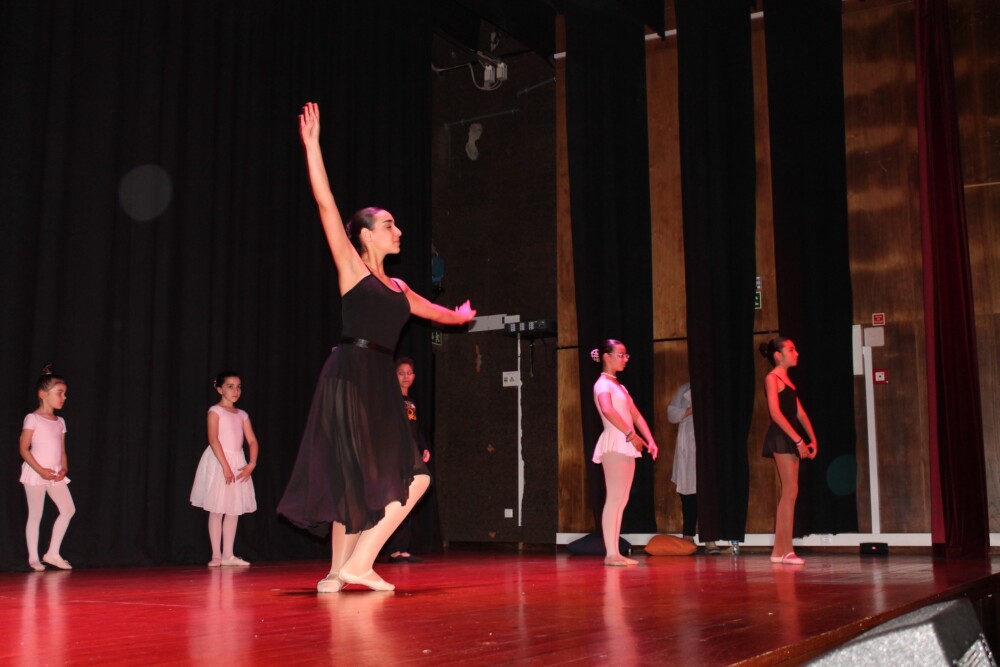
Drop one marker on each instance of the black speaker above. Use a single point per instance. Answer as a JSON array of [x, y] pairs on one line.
[[946, 633], [874, 549]]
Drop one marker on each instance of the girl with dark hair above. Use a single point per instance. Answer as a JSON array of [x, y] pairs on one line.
[[789, 439], [619, 445], [222, 484], [43, 448], [358, 471]]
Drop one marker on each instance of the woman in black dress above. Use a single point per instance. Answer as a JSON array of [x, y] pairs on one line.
[[789, 439], [358, 469]]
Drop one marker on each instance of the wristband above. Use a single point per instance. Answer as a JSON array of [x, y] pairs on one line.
[[628, 436]]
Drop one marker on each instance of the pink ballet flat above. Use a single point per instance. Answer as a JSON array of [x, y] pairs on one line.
[[331, 583], [36, 566], [215, 562], [788, 559], [235, 561], [57, 561], [363, 580]]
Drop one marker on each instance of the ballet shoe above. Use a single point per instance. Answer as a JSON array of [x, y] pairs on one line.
[[616, 562], [788, 559], [363, 580], [57, 561], [215, 562], [331, 583], [36, 566], [235, 561]]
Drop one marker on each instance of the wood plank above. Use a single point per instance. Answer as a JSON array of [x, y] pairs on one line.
[[483, 608]]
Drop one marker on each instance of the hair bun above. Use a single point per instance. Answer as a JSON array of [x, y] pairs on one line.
[[595, 354]]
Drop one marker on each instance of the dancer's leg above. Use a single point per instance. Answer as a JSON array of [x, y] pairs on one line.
[[36, 504], [229, 522], [342, 546], [215, 534], [689, 509], [788, 474], [618, 472], [370, 542], [63, 499]]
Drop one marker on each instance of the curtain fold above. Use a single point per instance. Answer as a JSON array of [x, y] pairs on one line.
[[609, 203], [959, 510], [718, 190], [805, 88]]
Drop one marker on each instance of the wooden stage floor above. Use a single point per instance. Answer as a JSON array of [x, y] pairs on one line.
[[474, 608]]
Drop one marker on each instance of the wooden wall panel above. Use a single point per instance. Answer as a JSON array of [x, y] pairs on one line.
[[667, 233], [975, 26], [884, 237], [574, 499]]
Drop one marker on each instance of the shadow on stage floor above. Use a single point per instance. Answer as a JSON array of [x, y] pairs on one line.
[[479, 608]]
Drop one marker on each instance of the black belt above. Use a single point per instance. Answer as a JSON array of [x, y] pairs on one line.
[[367, 344]]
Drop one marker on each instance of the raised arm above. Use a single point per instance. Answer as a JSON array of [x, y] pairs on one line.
[[350, 268], [422, 307]]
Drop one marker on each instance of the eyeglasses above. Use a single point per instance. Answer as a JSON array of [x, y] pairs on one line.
[[621, 355]]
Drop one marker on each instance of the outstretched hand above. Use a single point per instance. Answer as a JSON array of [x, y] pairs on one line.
[[466, 312], [309, 123]]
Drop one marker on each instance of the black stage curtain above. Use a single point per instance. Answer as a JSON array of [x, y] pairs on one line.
[[609, 201], [717, 181], [805, 86], [158, 227], [959, 512]]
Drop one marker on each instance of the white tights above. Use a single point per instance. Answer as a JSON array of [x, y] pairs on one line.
[[618, 473], [36, 504], [222, 534]]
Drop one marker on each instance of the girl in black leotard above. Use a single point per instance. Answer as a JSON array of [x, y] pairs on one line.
[[789, 438], [358, 469]]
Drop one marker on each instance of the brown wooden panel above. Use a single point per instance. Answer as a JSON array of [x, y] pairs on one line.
[[765, 319], [982, 210], [574, 499], [975, 25], [669, 302], [884, 237], [566, 282]]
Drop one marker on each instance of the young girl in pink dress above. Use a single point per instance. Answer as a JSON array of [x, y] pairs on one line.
[[620, 444], [43, 448], [222, 484]]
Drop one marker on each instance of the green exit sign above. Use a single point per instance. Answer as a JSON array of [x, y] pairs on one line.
[[756, 300]]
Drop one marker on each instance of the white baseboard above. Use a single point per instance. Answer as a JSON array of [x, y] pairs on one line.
[[767, 539]]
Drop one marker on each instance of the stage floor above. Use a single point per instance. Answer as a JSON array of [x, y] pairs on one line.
[[473, 608]]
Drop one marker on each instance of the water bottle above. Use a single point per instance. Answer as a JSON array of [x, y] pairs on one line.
[[735, 544]]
